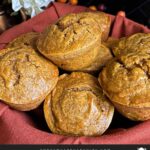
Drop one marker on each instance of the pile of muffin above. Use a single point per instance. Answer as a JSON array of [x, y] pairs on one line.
[[77, 102]]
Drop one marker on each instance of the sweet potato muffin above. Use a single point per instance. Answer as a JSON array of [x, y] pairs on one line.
[[26, 77], [125, 80], [111, 43], [103, 20], [135, 42], [77, 106], [73, 43], [102, 57], [100, 18], [27, 39]]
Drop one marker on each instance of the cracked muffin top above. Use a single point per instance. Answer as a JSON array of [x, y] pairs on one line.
[[77, 106], [103, 21], [27, 39], [125, 79], [135, 42], [71, 36], [25, 76], [100, 18]]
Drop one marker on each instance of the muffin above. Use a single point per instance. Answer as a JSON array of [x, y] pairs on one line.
[[73, 43], [26, 78], [111, 43], [125, 80], [77, 106], [27, 39], [101, 19], [135, 42], [103, 56]]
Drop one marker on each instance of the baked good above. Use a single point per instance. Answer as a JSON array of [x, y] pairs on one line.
[[26, 78], [100, 18], [111, 43], [102, 57], [73, 43], [77, 106], [27, 39], [125, 80], [135, 42], [103, 20]]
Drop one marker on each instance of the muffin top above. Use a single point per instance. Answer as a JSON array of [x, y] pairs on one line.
[[77, 106], [70, 36], [135, 42], [103, 21], [25, 76], [125, 79], [27, 39], [100, 18]]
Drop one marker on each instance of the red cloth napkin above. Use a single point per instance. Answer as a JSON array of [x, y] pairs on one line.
[[20, 128]]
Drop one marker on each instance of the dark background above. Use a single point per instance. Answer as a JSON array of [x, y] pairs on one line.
[[137, 10]]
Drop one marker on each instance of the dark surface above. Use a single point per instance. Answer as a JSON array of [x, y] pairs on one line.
[[137, 10]]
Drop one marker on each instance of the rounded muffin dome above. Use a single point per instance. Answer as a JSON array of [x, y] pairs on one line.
[[26, 78], [27, 39], [135, 42], [77, 106], [73, 43], [125, 80]]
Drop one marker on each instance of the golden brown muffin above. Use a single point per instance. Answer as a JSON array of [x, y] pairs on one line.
[[111, 43], [103, 20], [100, 18], [135, 42], [73, 43], [100, 60], [125, 80], [26, 78], [27, 39], [77, 106]]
